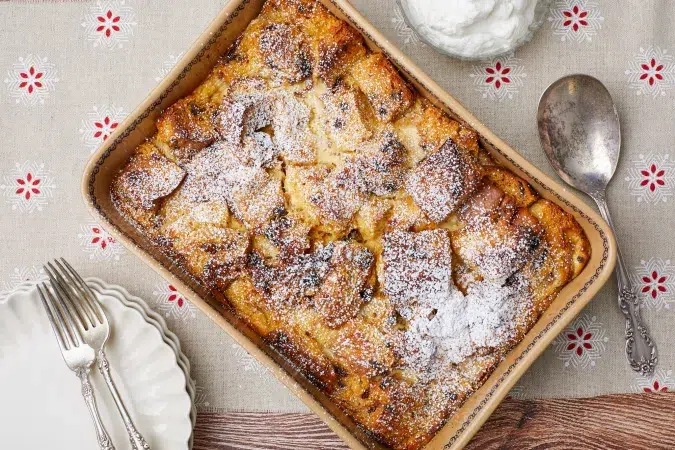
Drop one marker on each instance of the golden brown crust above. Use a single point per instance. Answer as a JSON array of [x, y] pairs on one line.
[[389, 95], [350, 222]]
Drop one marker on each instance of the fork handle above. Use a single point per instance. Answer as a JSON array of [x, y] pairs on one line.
[[104, 441], [136, 439]]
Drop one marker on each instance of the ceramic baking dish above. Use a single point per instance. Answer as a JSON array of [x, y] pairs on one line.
[[189, 72]]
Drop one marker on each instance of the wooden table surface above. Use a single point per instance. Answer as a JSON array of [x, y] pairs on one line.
[[622, 421]]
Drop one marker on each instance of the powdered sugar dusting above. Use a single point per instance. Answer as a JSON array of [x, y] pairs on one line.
[[444, 324], [417, 269], [442, 181]]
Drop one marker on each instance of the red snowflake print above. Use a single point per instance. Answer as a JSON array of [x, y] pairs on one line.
[[497, 75], [31, 79], [660, 381], [101, 238], [172, 303], [104, 128], [109, 23], [175, 297], [653, 177], [499, 79], [651, 71], [27, 186], [654, 283], [575, 18], [579, 341], [100, 245], [655, 387]]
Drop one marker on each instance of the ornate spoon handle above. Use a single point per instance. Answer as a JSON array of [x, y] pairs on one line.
[[640, 348], [104, 441], [137, 440]]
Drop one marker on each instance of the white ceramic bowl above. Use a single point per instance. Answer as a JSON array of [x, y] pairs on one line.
[[540, 12]]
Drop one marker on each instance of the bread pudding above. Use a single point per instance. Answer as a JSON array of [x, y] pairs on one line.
[[355, 226]]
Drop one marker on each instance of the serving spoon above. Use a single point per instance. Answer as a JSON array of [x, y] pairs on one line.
[[580, 133]]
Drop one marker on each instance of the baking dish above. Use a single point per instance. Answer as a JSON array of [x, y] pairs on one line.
[[188, 73]]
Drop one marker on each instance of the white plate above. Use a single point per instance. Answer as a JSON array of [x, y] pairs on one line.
[[41, 403]]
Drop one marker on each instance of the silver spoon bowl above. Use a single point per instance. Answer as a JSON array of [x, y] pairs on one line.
[[580, 133]]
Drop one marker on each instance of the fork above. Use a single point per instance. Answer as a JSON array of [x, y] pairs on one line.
[[95, 329], [78, 356]]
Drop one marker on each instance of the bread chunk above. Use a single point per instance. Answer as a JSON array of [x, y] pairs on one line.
[[442, 181], [388, 94]]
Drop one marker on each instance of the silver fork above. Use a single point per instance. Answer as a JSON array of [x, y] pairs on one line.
[[95, 331], [78, 356]]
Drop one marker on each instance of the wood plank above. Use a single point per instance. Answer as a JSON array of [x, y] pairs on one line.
[[622, 421], [635, 421]]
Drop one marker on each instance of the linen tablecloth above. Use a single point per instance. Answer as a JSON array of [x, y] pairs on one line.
[[71, 70]]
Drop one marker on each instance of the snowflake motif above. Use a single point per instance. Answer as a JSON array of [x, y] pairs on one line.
[[99, 124], [498, 79], [167, 65], [575, 20], [172, 303], [403, 30], [20, 275], [201, 403], [31, 80], [109, 23], [651, 72], [28, 187], [98, 243], [247, 362], [651, 178], [582, 343], [660, 381], [655, 280]]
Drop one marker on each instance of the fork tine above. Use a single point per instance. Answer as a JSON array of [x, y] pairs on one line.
[[73, 300], [58, 325], [75, 294], [86, 295], [63, 299], [91, 295]]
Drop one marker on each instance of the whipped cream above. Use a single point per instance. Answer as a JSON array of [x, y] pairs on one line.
[[471, 28]]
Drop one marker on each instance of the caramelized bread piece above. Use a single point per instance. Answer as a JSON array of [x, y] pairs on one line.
[[377, 168], [406, 215], [442, 181], [371, 217], [416, 268], [148, 177], [289, 234], [336, 45], [361, 350], [435, 128], [347, 119], [285, 51], [388, 94], [180, 215], [283, 283], [291, 129], [518, 189], [343, 289], [565, 236], [186, 127], [216, 173], [241, 115], [496, 237], [327, 195], [214, 254]]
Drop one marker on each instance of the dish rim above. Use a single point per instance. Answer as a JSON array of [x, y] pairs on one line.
[[462, 425]]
